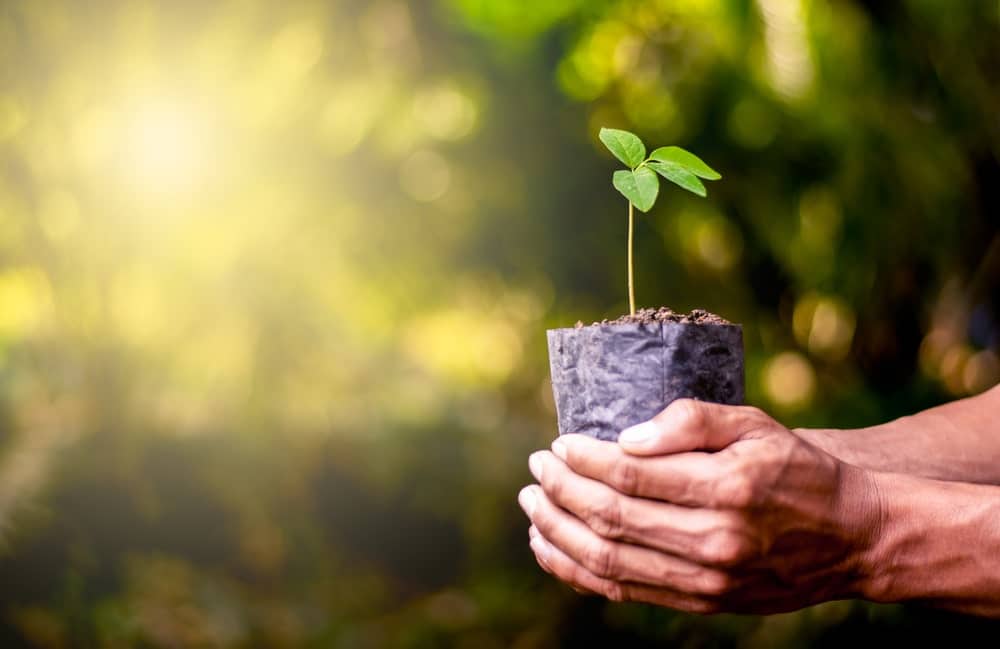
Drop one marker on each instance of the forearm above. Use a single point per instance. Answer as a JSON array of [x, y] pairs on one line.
[[956, 441], [938, 543]]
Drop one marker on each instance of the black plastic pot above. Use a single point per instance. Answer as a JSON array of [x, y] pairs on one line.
[[606, 378]]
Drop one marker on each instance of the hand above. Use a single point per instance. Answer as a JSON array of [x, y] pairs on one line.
[[705, 508]]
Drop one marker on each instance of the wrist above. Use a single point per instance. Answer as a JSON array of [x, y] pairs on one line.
[[842, 444], [854, 446], [935, 543], [861, 518], [828, 440], [874, 580]]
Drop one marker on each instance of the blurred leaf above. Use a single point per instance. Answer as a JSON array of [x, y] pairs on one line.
[[679, 176], [626, 146], [640, 186], [686, 159]]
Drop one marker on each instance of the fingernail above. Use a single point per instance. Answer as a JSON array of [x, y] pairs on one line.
[[541, 548], [532, 532], [535, 465], [559, 449], [528, 500], [638, 434]]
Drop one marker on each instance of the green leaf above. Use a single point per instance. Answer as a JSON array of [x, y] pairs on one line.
[[626, 146], [640, 186], [686, 159], [680, 176]]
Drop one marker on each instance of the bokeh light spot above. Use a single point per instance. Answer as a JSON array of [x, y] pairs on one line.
[[445, 112], [982, 371], [296, 49], [789, 380], [789, 59], [652, 107], [348, 116], [932, 349], [425, 176], [824, 325], [952, 369], [26, 297], [718, 244]]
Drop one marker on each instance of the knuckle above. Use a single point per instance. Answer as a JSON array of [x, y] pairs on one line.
[[725, 548], [689, 413], [625, 476], [736, 491], [554, 489], [605, 518], [715, 583], [542, 521], [759, 421], [754, 413], [600, 558], [705, 607], [616, 592]]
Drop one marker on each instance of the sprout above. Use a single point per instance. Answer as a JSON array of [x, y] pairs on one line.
[[640, 183]]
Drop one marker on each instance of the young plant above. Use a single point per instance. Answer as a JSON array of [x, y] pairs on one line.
[[640, 183]]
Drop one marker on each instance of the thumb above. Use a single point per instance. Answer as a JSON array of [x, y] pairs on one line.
[[685, 425]]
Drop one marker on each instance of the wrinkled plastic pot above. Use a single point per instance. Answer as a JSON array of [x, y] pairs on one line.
[[606, 378]]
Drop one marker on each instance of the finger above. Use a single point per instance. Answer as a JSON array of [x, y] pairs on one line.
[[692, 479], [538, 559], [533, 533], [544, 558], [690, 425], [706, 536], [535, 543], [622, 561], [562, 567], [580, 579]]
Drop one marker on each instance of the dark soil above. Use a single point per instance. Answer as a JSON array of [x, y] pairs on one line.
[[663, 314]]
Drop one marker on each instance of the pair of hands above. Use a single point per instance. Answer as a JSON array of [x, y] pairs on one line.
[[705, 508]]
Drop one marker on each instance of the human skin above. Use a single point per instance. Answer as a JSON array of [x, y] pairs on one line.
[[956, 441], [710, 508]]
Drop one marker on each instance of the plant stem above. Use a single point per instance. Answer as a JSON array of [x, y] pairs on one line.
[[631, 286]]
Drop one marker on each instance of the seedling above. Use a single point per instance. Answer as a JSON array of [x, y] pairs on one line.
[[640, 183], [612, 375]]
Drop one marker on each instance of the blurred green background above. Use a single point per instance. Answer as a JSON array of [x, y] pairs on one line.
[[274, 280]]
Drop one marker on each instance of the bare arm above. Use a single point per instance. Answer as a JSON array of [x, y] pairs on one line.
[[957, 441], [938, 543]]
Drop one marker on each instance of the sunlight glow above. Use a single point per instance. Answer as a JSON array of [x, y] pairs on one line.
[[166, 146]]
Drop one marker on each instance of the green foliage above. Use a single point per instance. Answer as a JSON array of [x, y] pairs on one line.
[[676, 156], [626, 146], [680, 176], [640, 184]]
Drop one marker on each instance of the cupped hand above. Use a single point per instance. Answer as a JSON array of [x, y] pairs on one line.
[[705, 508]]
